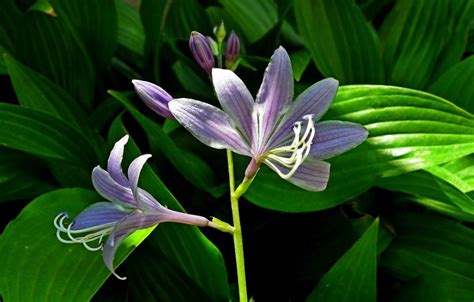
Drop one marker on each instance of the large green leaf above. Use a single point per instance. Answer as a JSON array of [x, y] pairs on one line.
[[424, 184], [131, 37], [409, 130], [42, 135], [184, 16], [435, 249], [353, 277], [194, 169], [464, 169], [10, 15], [412, 36], [51, 46], [254, 17], [183, 246], [35, 266], [342, 43], [456, 84]]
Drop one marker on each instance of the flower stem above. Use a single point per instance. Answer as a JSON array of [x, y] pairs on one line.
[[235, 194]]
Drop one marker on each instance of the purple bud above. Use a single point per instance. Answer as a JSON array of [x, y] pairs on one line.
[[232, 50], [155, 97], [201, 51]]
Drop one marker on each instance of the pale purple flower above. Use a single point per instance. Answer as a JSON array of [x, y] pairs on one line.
[[232, 50], [272, 129], [201, 50], [155, 97], [129, 208]]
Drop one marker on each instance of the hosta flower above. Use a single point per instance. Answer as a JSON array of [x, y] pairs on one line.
[[201, 51], [232, 51], [155, 97], [129, 208], [272, 129]]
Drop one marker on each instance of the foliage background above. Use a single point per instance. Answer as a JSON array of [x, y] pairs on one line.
[[66, 96]]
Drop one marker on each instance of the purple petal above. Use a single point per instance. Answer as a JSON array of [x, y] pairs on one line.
[[275, 94], [155, 97], [210, 125], [134, 174], [315, 101], [236, 100], [97, 214], [114, 164], [334, 137], [312, 175], [201, 50], [168, 215]]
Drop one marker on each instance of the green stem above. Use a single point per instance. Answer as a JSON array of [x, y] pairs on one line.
[[235, 194]]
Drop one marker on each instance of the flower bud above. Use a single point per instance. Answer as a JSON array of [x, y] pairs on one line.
[[220, 32], [214, 46], [201, 51], [155, 97], [232, 51]]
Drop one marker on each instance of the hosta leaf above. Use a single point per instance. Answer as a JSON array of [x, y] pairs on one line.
[[464, 169], [191, 81], [353, 277], [299, 62], [194, 169], [409, 130], [51, 46], [10, 15], [42, 135], [456, 84], [96, 24], [35, 266], [342, 43], [183, 17], [255, 17], [184, 246], [424, 184], [130, 37], [412, 37]]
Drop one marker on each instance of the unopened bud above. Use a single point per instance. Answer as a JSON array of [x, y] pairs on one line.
[[232, 51], [201, 50], [220, 32], [214, 46], [155, 97]]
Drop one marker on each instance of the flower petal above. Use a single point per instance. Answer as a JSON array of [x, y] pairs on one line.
[[155, 97], [210, 125], [134, 174], [98, 214], [236, 100], [114, 164], [335, 137], [312, 175], [133, 221], [315, 101], [275, 94]]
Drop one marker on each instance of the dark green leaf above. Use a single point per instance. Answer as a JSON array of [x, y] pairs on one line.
[[35, 266], [10, 15], [191, 81], [184, 16], [131, 36], [412, 37], [300, 61], [342, 43], [353, 277], [409, 130], [456, 84], [254, 17]]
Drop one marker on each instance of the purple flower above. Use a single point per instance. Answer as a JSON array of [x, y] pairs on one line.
[[130, 208], [155, 97], [201, 50], [232, 50], [272, 129]]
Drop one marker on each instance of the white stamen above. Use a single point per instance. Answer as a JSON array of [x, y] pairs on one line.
[[89, 235], [298, 150]]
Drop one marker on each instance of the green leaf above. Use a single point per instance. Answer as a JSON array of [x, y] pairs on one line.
[[353, 277], [342, 43], [456, 84], [21, 176], [254, 17], [42, 135], [427, 245], [412, 37], [451, 178], [409, 130], [184, 246], [130, 37], [424, 184], [10, 16], [194, 169], [464, 169], [50, 46], [183, 17], [28, 245], [96, 24], [191, 81], [299, 62]]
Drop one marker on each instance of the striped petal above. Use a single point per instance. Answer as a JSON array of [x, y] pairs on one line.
[[313, 101], [312, 175], [134, 171], [99, 213], [275, 94], [114, 163], [210, 125], [334, 137], [235, 100]]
